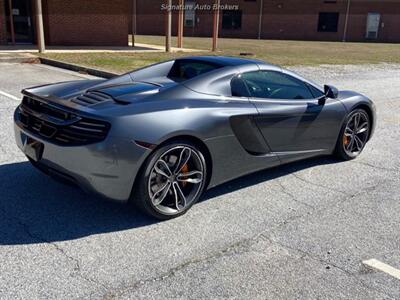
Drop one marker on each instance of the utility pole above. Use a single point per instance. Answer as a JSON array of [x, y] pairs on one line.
[[215, 25], [168, 27], [180, 24], [260, 17], [11, 22], [133, 22], [346, 21], [39, 27]]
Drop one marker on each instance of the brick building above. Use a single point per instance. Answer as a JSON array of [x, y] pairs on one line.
[[283, 19], [108, 22], [67, 22]]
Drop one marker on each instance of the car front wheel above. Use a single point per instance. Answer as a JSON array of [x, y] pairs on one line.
[[354, 135], [172, 180]]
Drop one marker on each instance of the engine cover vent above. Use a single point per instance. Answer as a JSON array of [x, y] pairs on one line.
[[92, 98]]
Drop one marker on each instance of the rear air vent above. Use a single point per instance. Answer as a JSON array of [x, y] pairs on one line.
[[92, 98], [46, 109], [86, 131], [59, 126]]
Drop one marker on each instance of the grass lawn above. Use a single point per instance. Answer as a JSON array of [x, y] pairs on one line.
[[285, 53]]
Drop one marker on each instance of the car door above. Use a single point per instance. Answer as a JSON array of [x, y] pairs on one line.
[[293, 120]]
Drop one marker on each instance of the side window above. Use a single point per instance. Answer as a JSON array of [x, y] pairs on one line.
[[238, 87], [316, 92], [275, 85]]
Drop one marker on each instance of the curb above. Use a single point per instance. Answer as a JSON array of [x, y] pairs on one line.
[[76, 68]]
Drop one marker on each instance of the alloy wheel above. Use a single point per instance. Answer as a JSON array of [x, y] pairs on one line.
[[356, 133], [176, 180]]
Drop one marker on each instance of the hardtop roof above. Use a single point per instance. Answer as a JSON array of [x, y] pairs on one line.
[[225, 60]]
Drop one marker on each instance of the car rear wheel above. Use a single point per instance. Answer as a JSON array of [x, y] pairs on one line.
[[172, 180], [354, 135]]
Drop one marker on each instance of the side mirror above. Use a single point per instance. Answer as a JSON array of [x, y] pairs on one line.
[[331, 91]]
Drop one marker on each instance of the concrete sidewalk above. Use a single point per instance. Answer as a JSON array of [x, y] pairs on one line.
[[12, 57], [139, 48]]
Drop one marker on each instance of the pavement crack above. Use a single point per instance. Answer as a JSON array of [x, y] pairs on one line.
[[319, 185], [77, 266], [242, 246], [323, 208], [3, 151], [305, 254], [374, 166], [288, 193]]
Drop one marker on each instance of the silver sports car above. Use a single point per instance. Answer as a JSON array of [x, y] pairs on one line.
[[161, 135]]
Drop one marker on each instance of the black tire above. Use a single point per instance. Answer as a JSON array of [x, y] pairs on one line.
[[141, 194], [342, 146]]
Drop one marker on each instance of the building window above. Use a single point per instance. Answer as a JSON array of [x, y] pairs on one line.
[[328, 22], [231, 19], [190, 17]]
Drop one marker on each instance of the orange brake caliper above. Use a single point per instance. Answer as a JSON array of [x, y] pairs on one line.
[[346, 140], [185, 169]]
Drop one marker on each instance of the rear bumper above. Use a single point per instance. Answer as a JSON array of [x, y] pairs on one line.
[[107, 168]]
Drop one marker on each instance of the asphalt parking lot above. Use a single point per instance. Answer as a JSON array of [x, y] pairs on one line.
[[301, 231]]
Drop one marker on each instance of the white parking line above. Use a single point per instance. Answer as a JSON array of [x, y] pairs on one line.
[[9, 96], [376, 264]]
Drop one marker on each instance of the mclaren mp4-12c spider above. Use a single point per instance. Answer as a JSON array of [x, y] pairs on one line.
[[161, 135]]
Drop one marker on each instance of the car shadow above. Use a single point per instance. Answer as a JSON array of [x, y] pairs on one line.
[[268, 174], [34, 208]]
